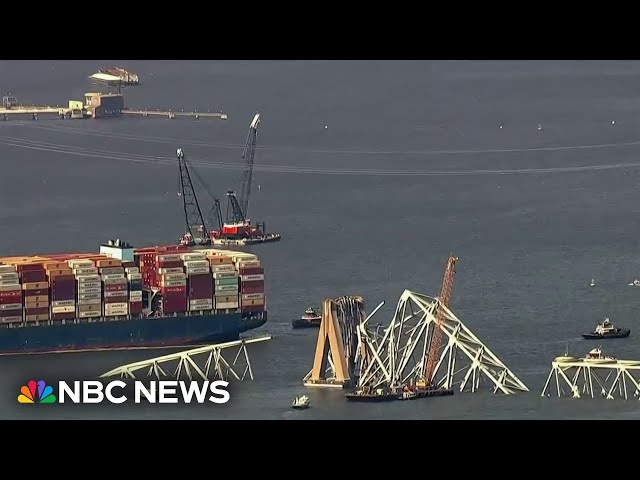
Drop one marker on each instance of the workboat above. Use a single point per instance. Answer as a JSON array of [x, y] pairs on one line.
[[596, 356], [593, 283], [368, 395], [310, 319], [301, 403], [606, 329], [635, 283]]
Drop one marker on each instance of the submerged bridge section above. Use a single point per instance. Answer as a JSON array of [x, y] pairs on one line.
[[189, 363]]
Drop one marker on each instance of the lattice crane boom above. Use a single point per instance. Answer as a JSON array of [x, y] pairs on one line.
[[431, 359], [248, 155], [195, 224]]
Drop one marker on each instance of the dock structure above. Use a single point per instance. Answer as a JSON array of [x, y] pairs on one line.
[[173, 114], [610, 377], [185, 363]]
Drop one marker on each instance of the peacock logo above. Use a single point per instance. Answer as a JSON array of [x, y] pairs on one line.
[[44, 393]]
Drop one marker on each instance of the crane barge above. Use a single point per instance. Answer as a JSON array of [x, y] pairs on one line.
[[235, 228]]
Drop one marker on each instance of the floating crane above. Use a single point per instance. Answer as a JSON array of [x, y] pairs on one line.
[[235, 228], [196, 228]]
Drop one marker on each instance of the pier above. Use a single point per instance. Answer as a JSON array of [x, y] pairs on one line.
[[171, 114]]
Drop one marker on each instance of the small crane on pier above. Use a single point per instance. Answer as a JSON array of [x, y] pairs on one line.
[[433, 350]]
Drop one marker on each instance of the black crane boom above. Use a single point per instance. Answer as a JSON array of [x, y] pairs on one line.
[[196, 226]]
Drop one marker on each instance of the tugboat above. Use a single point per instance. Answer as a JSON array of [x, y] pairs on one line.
[[301, 403], [606, 329], [593, 282], [310, 319]]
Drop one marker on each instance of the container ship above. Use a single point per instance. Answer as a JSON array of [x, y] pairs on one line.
[[125, 297]]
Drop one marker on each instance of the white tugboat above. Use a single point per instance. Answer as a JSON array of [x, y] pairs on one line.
[[301, 403]]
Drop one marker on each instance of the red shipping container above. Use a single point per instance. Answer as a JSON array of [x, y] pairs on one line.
[[36, 311], [11, 297], [200, 286], [252, 284], [169, 264], [115, 288], [34, 276], [36, 293], [63, 279], [11, 313], [63, 316], [120, 299], [252, 271], [135, 308], [23, 267], [252, 289], [253, 308], [174, 290]]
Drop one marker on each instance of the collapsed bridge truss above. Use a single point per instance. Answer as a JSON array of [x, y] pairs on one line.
[[188, 363]]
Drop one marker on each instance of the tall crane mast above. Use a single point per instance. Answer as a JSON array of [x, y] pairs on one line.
[[196, 226], [431, 358], [248, 155]]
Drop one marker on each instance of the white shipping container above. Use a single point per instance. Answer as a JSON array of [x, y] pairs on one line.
[[113, 276], [9, 282], [225, 275], [63, 303], [253, 296], [193, 256], [134, 276], [7, 269], [226, 288], [197, 263], [227, 306], [88, 278], [132, 269], [16, 287], [223, 268], [14, 319], [85, 271], [135, 294], [89, 314], [165, 271], [173, 283], [111, 270], [121, 293], [115, 306], [115, 281], [200, 301], [198, 271], [89, 301], [89, 296], [80, 263], [96, 289], [11, 306], [70, 309], [251, 264], [174, 276], [246, 257], [169, 257], [252, 278], [9, 276], [197, 308]]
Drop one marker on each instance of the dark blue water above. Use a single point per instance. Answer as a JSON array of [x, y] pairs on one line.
[[411, 167]]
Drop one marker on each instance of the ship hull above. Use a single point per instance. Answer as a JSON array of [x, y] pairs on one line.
[[125, 334], [594, 336], [301, 323]]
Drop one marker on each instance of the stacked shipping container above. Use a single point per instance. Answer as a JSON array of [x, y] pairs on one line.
[[10, 295], [86, 286], [225, 277]]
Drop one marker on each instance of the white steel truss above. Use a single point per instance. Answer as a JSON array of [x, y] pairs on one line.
[[576, 377], [185, 363], [396, 356]]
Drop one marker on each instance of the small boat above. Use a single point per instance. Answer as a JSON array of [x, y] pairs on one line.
[[593, 283], [635, 283], [310, 319], [301, 403], [606, 329], [596, 356]]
